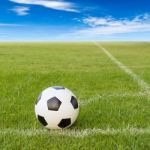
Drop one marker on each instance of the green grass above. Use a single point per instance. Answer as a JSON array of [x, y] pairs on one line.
[[28, 68]]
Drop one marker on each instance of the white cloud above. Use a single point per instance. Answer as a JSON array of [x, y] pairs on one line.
[[77, 19], [109, 26], [21, 11], [53, 4], [94, 21]]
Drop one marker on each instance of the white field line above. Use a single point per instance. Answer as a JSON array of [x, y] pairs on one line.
[[108, 96], [75, 133], [144, 86], [81, 133], [90, 132]]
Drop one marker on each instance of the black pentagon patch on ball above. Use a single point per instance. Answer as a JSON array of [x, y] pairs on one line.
[[64, 123], [39, 97], [74, 102], [42, 120], [53, 104], [58, 87]]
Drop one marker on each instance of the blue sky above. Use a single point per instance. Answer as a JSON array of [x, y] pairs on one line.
[[69, 20]]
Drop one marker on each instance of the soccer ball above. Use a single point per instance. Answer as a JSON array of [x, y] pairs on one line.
[[56, 108]]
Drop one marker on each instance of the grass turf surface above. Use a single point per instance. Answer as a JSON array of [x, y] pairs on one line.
[[28, 68]]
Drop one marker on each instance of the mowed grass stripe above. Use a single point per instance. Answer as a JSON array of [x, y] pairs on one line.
[[144, 86], [76, 133]]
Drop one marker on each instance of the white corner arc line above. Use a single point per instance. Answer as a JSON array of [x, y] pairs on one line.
[[77, 133], [144, 86]]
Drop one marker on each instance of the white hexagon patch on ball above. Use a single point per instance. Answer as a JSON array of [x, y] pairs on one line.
[[56, 108]]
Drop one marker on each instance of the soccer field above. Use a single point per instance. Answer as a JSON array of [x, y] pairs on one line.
[[111, 81]]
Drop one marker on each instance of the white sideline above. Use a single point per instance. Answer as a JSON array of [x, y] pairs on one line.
[[75, 133], [81, 133], [85, 132], [144, 86], [107, 96]]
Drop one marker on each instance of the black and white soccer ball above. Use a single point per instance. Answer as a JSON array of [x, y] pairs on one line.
[[56, 108]]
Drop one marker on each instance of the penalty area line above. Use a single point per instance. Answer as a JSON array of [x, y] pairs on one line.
[[108, 96], [75, 133], [144, 86]]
